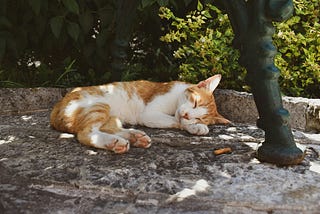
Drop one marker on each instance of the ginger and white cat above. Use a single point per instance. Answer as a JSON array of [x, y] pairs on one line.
[[96, 113]]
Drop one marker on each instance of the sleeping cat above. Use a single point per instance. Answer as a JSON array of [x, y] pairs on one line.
[[96, 113]]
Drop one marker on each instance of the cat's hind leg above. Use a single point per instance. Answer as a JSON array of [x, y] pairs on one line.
[[136, 138], [94, 126], [112, 136], [103, 135], [102, 140]]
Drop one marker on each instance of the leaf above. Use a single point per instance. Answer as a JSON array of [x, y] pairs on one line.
[[163, 3], [71, 5], [145, 3], [73, 30], [35, 5], [199, 6], [206, 14], [56, 25]]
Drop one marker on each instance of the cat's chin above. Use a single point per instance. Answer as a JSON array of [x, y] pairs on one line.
[[185, 122]]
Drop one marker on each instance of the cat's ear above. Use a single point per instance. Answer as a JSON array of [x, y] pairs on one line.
[[211, 83]]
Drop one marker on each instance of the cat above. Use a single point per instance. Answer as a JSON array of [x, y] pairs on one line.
[[96, 113]]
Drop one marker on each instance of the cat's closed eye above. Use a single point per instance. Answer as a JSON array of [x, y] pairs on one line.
[[195, 104]]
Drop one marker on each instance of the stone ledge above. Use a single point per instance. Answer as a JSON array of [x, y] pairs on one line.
[[236, 106], [45, 171], [240, 107], [23, 100]]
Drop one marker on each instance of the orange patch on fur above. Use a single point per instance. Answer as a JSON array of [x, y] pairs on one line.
[[147, 90]]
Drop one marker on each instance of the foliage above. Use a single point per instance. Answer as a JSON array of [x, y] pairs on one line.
[[68, 43], [298, 42], [204, 38], [151, 58], [56, 34], [204, 48], [61, 33]]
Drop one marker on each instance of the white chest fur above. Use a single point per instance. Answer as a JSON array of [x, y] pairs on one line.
[[129, 108]]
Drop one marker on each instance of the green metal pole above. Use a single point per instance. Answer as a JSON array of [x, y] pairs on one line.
[[252, 23]]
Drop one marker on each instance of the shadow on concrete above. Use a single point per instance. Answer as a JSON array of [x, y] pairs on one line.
[[43, 171]]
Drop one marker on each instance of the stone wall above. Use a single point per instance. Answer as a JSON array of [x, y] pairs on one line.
[[237, 106]]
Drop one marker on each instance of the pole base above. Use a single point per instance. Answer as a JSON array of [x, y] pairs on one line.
[[282, 156]]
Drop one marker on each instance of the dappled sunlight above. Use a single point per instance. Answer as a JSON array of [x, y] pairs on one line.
[[314, 167], [179, 170], [234, 133], [48, 168], [312, 137], [253, 127], [254, 161], [9, 139], [247, 137], [225, 137], [66, 136], [225, 174], [26, 117], [199, 187], [231, 129], [254, 146], [241, 136], [301, 147], [3, 159], [183, 194], [91, 152]]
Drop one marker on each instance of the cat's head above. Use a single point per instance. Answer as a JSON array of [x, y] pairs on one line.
[[198, 104]]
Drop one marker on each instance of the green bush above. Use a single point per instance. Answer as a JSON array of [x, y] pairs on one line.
[[72, 39], [204, 38], [63, 36], [67, 43], [298, 42], [204, 48]]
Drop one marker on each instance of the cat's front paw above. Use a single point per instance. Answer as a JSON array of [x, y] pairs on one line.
[[197, 129], [139, 138]]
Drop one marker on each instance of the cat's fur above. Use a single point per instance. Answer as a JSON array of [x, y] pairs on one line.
[[96, 113]]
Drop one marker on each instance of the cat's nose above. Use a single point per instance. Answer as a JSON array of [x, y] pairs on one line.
[[186, 116]]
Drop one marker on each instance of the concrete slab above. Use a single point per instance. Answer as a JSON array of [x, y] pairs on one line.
[[44, 171]]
